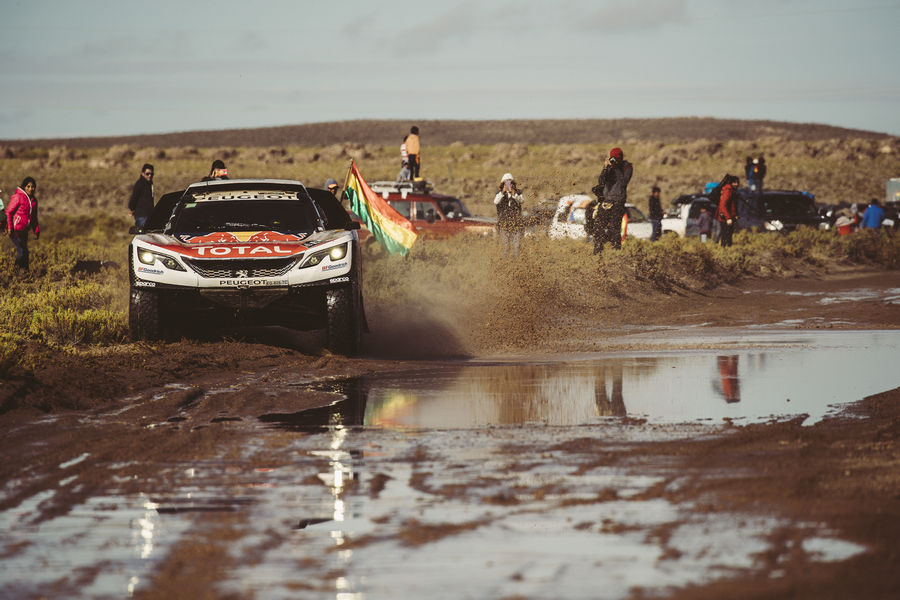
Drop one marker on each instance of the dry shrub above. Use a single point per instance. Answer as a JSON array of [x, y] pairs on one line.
[[119, 154]]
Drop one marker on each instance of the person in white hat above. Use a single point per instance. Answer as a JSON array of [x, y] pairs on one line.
[[509, 215]]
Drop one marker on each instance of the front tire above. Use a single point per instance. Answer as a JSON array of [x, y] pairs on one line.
[[144, 315], [344, 320]]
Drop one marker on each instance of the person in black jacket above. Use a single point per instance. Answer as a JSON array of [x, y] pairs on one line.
[[656, 214], [140, 205], [612, 193]]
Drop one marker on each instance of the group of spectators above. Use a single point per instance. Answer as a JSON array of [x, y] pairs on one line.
[[604, 216]]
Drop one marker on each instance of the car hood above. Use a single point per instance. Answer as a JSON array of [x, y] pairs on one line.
[[242, 244], [479, 220]]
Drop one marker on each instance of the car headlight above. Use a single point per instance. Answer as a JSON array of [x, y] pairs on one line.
[[335, 253], [148, 257], [774, 225]]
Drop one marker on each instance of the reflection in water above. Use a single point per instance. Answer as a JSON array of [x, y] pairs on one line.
[[675, 387], [607, 406], [730, 385]]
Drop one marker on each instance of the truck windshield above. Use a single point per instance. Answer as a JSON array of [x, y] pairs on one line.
[[246, 215], [784, 205], [454, 208]]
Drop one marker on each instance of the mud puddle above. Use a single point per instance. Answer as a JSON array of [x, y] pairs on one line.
[[765, 375], [502, 478]]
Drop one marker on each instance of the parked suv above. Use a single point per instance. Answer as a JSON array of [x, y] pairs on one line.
[[435, 216], [248, 251], [773, 210]]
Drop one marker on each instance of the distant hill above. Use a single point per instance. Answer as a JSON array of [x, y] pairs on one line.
[[445, 132]]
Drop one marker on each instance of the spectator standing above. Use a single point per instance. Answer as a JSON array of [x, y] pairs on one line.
[[656, 214], [612, 193], [217, 171], [756, 172], [508, 201], [412, 151], [22, 215], [873, 216], [140, 205], [726, 213], [704, 224]]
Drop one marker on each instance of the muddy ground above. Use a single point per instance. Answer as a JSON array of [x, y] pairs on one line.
[[136, 408]]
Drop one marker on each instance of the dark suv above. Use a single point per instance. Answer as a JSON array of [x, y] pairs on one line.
[[777, 210]]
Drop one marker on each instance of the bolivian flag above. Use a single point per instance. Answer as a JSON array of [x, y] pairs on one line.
[[389, 227]]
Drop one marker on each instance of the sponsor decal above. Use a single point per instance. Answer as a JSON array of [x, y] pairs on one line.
[[338, 279], [141, 283], [150, 271], [252, 282], [217, 237], [333, 267], [238, 250], [248, 195], [234, 237]]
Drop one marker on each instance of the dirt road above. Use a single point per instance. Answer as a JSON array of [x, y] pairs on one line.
[[183, 470]]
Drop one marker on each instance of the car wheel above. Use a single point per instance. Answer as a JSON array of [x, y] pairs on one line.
[[144, 315], [344, 322]]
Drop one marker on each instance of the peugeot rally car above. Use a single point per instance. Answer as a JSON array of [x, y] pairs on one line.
[[252, 251]]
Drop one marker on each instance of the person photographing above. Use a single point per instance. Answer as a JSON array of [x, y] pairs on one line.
[[508, 201], [612, 193]]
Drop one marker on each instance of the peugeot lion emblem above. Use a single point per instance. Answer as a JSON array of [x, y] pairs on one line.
[[242, 273]]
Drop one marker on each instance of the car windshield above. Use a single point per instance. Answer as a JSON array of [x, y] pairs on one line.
[[453, 208], [793, 205], [577, 216], [635, 215], [246, 215]]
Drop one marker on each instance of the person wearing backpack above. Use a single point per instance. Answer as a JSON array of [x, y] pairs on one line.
[[22, 215], [726, 213]]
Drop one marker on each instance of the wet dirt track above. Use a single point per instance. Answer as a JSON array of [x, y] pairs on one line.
[[552, 476]]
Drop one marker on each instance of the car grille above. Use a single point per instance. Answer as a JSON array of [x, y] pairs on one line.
[[260, 267]]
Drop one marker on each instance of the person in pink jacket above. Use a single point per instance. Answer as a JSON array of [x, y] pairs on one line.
[[22, 215]]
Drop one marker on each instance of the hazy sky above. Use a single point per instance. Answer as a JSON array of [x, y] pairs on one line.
[[97, 67]]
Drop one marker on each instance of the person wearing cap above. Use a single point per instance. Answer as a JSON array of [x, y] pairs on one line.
[[508, 201], [140, 205], [217, 171], [412, 151], [612, 193], [332, 186]]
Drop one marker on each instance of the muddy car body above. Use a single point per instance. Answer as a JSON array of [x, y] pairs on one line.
[[435, 216], [250, 252], [569, 219]]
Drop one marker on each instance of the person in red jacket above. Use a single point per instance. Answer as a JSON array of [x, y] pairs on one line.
[[726, 213], [22, 215]]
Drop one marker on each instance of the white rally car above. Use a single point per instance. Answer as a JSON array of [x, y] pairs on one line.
[[248, 251]]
